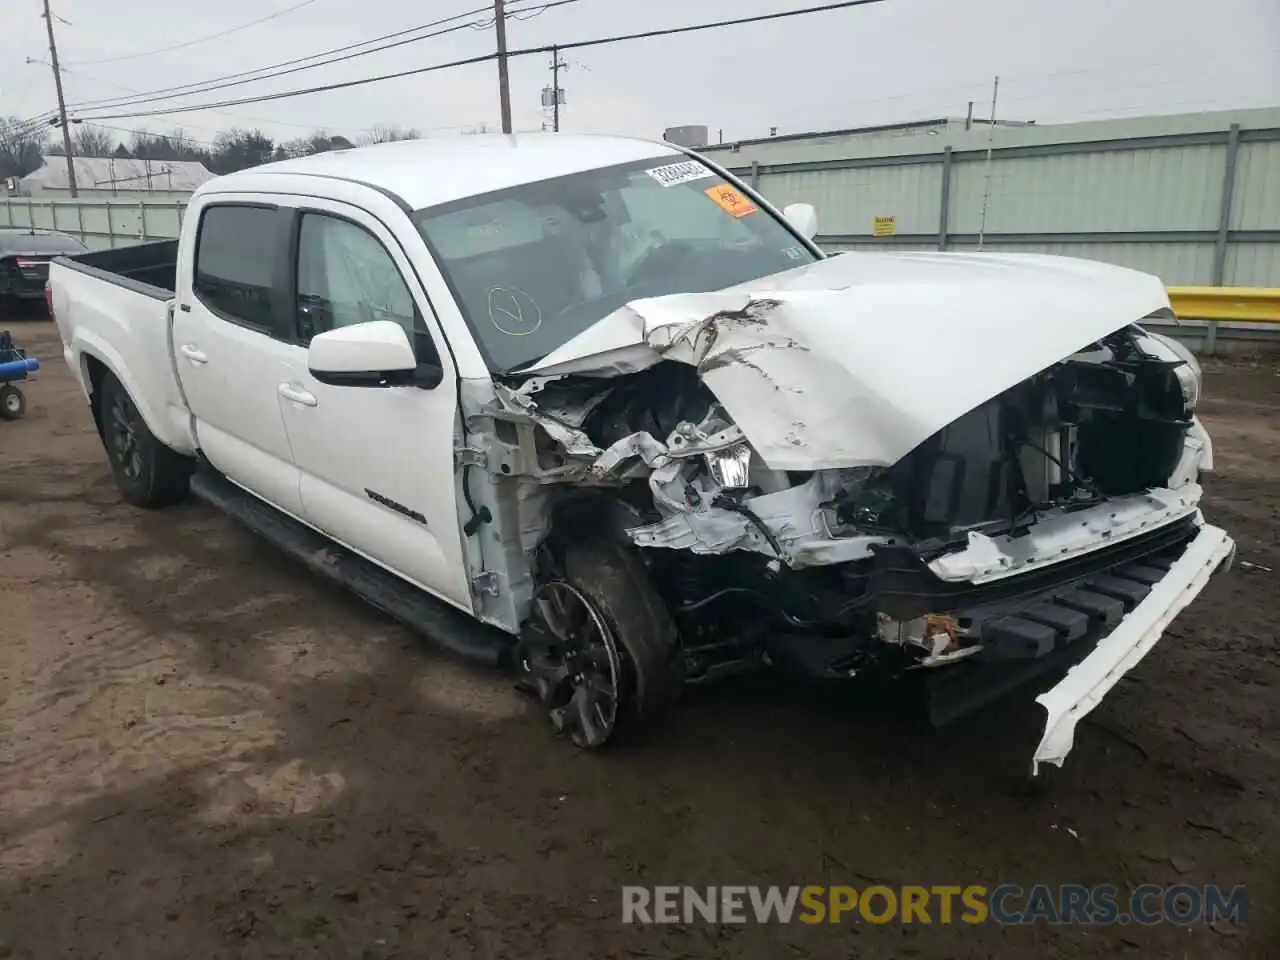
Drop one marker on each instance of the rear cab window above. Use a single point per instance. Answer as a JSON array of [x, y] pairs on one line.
[[239, 251]]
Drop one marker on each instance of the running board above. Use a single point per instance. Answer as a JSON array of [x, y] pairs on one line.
[[442, 624]]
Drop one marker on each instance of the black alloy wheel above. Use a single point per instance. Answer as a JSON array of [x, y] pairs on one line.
[[571, 660], [123, 426]]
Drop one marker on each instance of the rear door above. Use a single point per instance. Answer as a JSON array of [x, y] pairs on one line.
[[376, 463], [231, 335]]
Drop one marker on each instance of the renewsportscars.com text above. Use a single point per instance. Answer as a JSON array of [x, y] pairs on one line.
[[1073, 904]]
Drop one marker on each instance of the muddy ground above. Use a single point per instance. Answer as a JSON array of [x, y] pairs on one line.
[[206, 751]]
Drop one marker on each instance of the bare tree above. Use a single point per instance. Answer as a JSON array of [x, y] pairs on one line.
[[90, 141], [172, 146], [390, 133], [86, 141], [22, 147], [319, 142]]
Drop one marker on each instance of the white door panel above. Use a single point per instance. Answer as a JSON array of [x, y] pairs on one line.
[[377, 474], [230, 369], [376, 463], [232, 392]]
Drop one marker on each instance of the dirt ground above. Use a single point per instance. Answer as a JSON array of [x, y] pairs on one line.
[[206, 751]]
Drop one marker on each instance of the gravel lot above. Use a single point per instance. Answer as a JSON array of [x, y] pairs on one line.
[[205, 751]]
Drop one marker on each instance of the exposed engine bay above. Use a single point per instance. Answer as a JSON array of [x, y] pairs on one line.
[[735, 544], [1009, 539]]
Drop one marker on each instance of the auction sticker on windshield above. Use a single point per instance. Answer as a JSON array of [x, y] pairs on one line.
[[730, 200], [674, 174]]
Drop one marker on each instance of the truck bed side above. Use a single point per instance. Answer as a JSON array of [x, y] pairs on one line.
[[113, 313], [152, 265]]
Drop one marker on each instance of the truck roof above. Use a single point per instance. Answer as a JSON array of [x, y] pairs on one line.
[[437, 170]]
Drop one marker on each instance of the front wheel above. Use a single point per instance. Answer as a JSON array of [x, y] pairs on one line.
[[601, 650], [147, 472]]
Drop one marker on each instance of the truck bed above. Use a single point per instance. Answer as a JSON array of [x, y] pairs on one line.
[[147, 268], [112, 309]]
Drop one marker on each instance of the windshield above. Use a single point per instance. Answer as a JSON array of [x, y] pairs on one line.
[[535, 265]]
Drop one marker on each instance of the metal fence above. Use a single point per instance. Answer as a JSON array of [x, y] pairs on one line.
[[101, 224], [1194, 208]]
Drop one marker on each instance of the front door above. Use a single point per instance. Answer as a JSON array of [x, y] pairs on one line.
[[376, 463], [229, 351]]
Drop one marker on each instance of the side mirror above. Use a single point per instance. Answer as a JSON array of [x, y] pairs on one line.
[[373, 354], [804, 218]]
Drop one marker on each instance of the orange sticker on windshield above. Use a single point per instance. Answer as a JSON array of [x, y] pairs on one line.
[[731, 200]]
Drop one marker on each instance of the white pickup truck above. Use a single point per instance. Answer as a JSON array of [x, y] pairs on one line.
[[592, 408]]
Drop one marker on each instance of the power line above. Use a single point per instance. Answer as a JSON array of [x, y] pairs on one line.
[[1143, 67], [529, 14], [484, 58], [695, 27], [270, 71], [192, 43], [208, 86], [233, 116], [25, 127], [323, 88]]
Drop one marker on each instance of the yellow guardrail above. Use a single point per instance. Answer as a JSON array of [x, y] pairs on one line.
[[1231, 304]]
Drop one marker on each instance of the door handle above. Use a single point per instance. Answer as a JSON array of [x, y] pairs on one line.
[[296, 395], [192, 354]]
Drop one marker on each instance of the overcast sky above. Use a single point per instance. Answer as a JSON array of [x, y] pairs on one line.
[[1058, 60]]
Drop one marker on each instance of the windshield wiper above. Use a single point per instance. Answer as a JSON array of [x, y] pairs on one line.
[[523, 366]]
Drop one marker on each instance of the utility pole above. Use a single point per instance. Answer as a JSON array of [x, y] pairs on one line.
[[986, 176], [504, 86], [62, 103], [556, 96]]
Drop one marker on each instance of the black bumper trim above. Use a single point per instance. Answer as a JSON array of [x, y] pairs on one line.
[[906, 588]]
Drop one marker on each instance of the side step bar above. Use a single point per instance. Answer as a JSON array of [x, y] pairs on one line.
[[442, 624]]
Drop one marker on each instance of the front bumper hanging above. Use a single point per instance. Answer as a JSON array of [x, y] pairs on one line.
[[1120, 651]]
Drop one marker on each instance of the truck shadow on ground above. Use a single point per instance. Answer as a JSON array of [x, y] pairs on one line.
[[357, 795]]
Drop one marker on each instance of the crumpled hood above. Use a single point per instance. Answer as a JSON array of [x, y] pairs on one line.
[[857, 359]]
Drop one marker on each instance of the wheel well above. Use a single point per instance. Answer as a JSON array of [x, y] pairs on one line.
[[607, 517], [97, 371]]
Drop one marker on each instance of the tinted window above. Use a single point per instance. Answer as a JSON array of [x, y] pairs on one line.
[[535, 265], [236, 256], [346, 276]]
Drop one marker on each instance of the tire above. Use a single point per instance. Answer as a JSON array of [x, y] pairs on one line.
[[12, 403], [147, 472], [617, 582], [648, 661]]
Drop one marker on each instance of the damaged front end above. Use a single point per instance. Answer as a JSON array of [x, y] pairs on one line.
[[798, 504]]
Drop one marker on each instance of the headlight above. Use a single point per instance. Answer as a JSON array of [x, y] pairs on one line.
[[1189, 380], [1189, 375], [731, 467]]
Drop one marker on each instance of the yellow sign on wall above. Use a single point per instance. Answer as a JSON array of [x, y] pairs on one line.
[[884, 226]]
